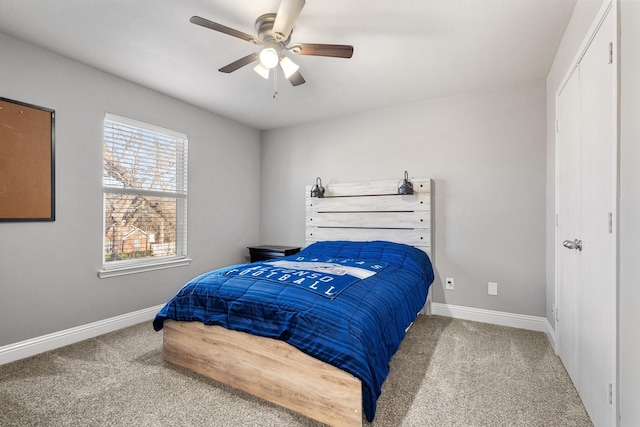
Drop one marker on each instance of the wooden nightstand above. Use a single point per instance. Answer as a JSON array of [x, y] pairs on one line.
[[261, 253]]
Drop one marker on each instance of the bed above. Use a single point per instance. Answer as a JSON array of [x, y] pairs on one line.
[[314, 331]]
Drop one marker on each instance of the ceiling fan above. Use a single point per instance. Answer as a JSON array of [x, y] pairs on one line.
[[274, 34]]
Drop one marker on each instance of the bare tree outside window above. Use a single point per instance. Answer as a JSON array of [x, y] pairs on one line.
[[144, 181]]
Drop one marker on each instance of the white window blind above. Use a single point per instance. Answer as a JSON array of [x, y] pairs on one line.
[[145, 197]]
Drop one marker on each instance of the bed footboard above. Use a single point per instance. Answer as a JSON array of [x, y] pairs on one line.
[[268, 368]]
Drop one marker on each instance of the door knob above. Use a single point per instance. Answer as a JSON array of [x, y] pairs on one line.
[[576, 244]]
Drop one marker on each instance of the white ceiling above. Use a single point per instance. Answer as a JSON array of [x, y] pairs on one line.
[[405, 51]]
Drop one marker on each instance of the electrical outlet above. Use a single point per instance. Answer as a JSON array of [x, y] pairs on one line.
[[493, 288], [449, 283]]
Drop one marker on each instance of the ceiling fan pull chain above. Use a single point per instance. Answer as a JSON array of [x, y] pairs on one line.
[[275, 83]]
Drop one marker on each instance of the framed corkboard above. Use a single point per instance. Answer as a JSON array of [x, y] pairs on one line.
[[27, 162]]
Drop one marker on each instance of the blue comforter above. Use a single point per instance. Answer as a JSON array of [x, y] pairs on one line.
[[357, 331]]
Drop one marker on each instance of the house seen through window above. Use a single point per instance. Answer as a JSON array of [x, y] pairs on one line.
[[145, 196]]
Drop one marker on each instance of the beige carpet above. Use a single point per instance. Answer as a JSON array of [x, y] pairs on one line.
[[447, 372]]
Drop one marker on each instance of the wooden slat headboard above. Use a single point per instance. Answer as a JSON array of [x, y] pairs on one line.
[[372, 211]]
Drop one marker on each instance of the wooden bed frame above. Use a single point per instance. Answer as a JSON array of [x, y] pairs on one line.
[[276, 371]]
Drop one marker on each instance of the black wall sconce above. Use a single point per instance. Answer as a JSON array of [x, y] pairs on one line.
[[406, 187], [318, 189]]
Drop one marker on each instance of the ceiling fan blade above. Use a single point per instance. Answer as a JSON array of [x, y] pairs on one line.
[[286, 17], [240, 63], [296, 79], [223, 29], [315, 49]]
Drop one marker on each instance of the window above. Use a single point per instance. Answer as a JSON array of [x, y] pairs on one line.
[[144, 182]]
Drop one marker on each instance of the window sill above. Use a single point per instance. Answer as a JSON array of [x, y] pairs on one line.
[[123, 270]]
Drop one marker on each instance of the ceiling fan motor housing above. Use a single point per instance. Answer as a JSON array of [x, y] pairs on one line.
[[264, 27]]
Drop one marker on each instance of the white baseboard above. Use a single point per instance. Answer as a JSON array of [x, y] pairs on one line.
[[37, 345], [521, 321], [33, 346]]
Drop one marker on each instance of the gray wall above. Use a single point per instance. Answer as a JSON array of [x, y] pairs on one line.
[[629, 291], [486, 153], [48, 279]]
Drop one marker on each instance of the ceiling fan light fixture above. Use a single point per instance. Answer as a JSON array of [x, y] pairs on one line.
[[262, 70], [288, 66], [269, 57]]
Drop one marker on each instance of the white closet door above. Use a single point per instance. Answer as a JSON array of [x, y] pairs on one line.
[[586, 258], [597, 300], [568, 200]]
